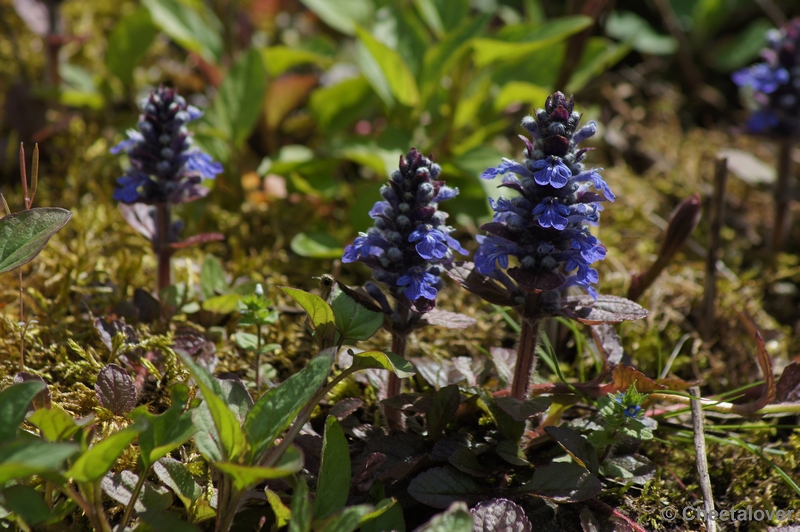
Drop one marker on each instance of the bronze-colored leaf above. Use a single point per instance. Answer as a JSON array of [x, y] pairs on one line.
[[484, 287], [605, 309], [788, 387], [765, 363], [196, 240], [608, 343], [624, 376], [537, 282], [115, 390]]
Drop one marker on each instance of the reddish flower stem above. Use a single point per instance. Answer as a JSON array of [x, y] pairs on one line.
[[161, 241], [526, 358]]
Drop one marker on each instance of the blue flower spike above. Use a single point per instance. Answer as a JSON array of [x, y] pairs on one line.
[[410, 245], [546, 227]]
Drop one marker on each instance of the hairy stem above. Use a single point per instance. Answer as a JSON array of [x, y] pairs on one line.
[[161, 241], [393, 416], [526, 358]]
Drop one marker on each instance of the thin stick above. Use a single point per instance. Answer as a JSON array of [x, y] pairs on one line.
[[782, 200], [161, 243], [715, 220], [526, 358], [698, 423]]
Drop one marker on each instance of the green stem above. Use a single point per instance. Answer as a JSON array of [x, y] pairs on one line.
[[227, 507], [526, 358], [258, 359], [728, 408], [126, 517]]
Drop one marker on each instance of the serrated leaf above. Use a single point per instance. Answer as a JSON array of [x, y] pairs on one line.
[[54, 423], [277, 408], [605, 309], [128, 43], [23, 458], [441, 486], [24, 234], [14, 402], [456, 519], [333, 486], [398, 76], [465, 461], [353, 320], [115, 390], [380, 360], [577, 446], [98, 459], [175, 476], [563, 482], [246, 476], [212, 277], [120, 486], [499, 514], [444, 406], [319, 312]]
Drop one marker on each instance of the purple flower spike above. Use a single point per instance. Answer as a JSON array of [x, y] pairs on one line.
[[418, 283], [552, 214], [551, 171], [431, 242]]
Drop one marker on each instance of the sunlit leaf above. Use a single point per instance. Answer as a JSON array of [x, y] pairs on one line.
[[456, 519], [316, 245], [128, 43], [278, 59], [54, 423], [14, 402], [115, 390], [353, 321], [245, 476], [380, 360], [398, 76], [333, 486], [191, 25], [98, 460], [21, 458], [319, 313], [24, 234]]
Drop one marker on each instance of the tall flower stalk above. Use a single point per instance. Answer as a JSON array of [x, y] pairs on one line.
[[408, 248], [165, 168], [545, 227]]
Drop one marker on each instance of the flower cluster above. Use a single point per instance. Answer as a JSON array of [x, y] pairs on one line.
[[410, 242], [164, 166], [775, 84], [546, 226]]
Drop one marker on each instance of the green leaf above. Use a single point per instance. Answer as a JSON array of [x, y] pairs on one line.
[[380, 360], [337, 107], [577, 446], [23, 458], [333, 486], [563, 482], [489, 51], [348, 521], [54, 423], [212, 277], [120, 487], [277, 408], [628, 26], [427, 9], [246, 476], [316, 245], [441, 486], [301, 508], [128, 43], [27, 503], [742, 48], [278, 59], [224, 304], [24, 234], [388, 515], [282, 513], [191, 25], [521, 92], [354, 321], [237, 106], [341, 15], [175, 476], [98, 460], [231, 436], [398, 76], [508, 426], [319, 312], [207, 437], [445, 404], [599, 55], [14, 402], [166, 521], [456, 519], [167, 431]]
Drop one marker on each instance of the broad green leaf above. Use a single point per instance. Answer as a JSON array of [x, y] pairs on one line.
[[207, 437], [166, 521], [317, 245], [230, 433], [743, 47], [599, 55], [333, 486], [282, 513], [167, 431], [380, 360], [388, 515], [456, 519], [245, 476], [212, 277], [353, 320], [337, 107], [445, 404], [453, 13], [508, 426], [236, 107], [301, 508], [439, 59], [319, 314], [489, 51], [14, 402], [427, 9], [24, 234], [576, 445], [23, 458], [348, 521], [563, 482], [521, 92], [27, 503], [371, 70], [98, 459], [120, 487], [628, 26], [54, 423], [224, 304], [401, 30], [277, 408], [175, 476], [193, 26], [278, 59], [128, 43], [341, 15], [441, 486], [398, 76]]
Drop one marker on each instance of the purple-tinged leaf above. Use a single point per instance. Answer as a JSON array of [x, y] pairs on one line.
[[443, 409], [504, 360], [195, 345], [608, 343], [410, 402], [499, 515], [141, 217], [115, 390], [107, 330], [522, 410], [605, 309], [147, 307], [484, 287], [788, 387], [576, 445], [765, 363], [345, 407], [360, 296], [563, 482], [196, 240], [441, 486], [447, 319], [465, 461], [536, 283], [24, 234], [365, 473]]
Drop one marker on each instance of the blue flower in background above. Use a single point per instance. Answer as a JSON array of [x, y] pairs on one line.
[[410, 244], [165, 167], [774, 85], [546, 227]]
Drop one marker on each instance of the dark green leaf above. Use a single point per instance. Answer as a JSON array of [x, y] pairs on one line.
[[237, 105], [441, 486], [24, 234], [563, 482], [98, 460], [465, 461], [167, 431], [348, 521], [176, 477], [742, 47], [193, 26], [380, 360], [388, 515], [319, 313], [54, 423], [245, 476], [599, 55], [522, 410], [14, 402], [166, 521], [22, 458], [508, 426], [341, 15], [301, 508], [456, 519], [509, 451], [316, 245], [212, 277], [120, 486], [445, 404], [333, 486], [128, 43], [353, 320], [578, 447], [277, 408], [628, 26], [395, 70], [26, 502], [337, 107]]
